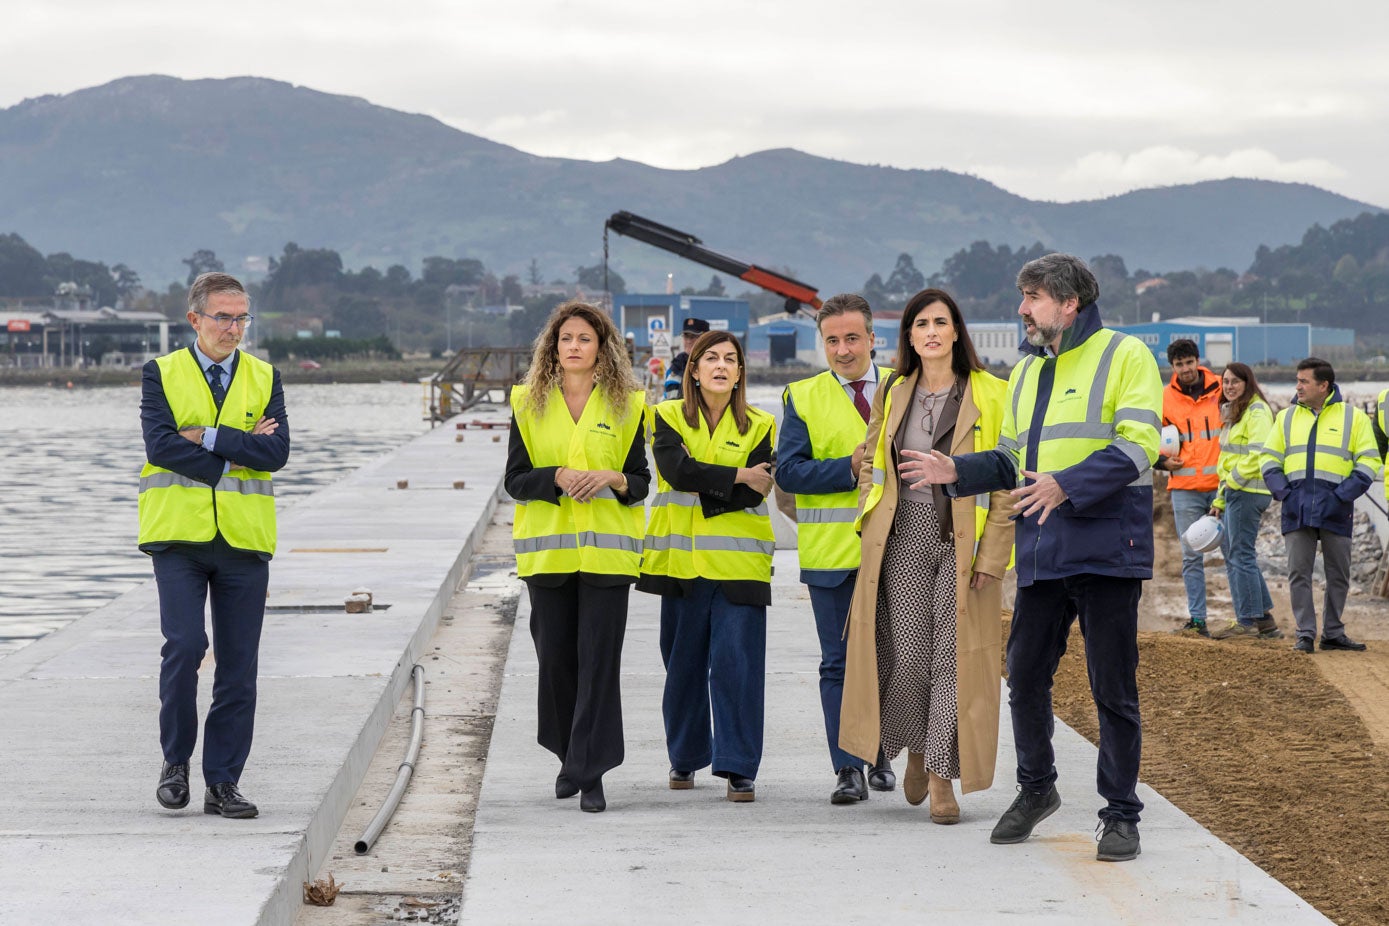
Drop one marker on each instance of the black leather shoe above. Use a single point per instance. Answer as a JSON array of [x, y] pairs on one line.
[[681, 781], [1304, 645], [1342, 642], [1118, 841], [741, 790], [223, 798], [1028, 809], [592, 800], [850, 788], [880, 774], [564, 787], [172, 792]]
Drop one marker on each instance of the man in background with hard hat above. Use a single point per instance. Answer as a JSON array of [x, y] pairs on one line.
[[1319, 458], [1191, 402]]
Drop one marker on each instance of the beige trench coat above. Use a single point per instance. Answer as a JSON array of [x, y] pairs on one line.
[[978, 627]]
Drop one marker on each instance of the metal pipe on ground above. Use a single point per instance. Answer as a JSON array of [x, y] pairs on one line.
[[402, 775]]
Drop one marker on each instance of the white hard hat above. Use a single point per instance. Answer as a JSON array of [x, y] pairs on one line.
[[1169, 444], [1204, 534]]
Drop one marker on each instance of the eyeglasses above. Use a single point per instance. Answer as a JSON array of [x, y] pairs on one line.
[[927, 402], [225, 322]]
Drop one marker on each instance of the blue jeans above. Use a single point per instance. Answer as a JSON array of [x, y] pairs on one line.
[[831, 607], [715, 653], [1248, 591], [1188, 507]]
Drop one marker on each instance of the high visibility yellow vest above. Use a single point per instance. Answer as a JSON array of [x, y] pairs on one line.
[[1345, 443], [825, 535], [680, 542], [241, 507], [1086, 411], [1241, 444], [1382, 414], [602, 536], [989, 394]]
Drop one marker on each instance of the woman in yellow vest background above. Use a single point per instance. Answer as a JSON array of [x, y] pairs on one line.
[[708, 554], [925, 626], [576, 466], [1242, 498]]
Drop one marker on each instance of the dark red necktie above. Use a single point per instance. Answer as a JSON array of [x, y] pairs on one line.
[[860, 402]]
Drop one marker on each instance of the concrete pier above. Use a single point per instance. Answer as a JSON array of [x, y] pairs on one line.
[[82, 839]]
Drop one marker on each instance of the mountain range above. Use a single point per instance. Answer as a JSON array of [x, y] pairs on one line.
[[146, 170]]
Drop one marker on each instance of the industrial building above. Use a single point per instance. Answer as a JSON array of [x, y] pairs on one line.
[[1221, 340]]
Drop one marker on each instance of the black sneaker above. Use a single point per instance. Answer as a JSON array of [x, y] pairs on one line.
[[1342, 642], [1304, 645], [1118, 841], [1193, 625], [1028, 809]]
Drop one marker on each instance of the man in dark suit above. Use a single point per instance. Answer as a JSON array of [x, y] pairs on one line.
[[215, 429]]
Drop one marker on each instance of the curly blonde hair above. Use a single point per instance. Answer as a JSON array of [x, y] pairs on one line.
[[612, 374]]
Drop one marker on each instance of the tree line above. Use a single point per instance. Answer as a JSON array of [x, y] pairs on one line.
[[1337, 275]]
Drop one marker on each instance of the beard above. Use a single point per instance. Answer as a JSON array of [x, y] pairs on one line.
[[1042, 335]]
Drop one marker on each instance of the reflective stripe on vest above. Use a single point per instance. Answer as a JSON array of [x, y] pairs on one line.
[[241, 506], [1241, 446], [1062, 443], [987, 394], [1331, 463], [825, 535], [680, 542], [602, 536]]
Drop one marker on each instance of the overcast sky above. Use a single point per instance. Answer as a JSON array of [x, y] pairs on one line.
[[1062, 100]]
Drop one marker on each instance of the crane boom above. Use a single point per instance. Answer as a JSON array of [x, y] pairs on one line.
[[691, 248]]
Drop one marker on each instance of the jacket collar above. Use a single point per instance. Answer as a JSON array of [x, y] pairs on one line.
[[1087, 323], [1333, 398], [1209, 383]]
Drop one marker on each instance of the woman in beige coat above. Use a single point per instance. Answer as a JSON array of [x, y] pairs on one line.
[[925, 626]]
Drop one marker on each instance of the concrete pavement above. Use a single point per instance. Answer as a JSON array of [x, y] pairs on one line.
[[81, 837], [661, 856]]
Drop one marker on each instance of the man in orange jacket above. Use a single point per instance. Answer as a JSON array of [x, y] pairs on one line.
[[1191, 401]]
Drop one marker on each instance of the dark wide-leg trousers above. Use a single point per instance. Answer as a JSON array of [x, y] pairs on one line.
[[1043, 612], [578, 629], [186, 575], [715, 654]]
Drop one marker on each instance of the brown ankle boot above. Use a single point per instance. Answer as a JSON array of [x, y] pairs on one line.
[[944, 808], [914, 784]]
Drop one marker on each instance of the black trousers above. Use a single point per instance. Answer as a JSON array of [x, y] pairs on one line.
[[1043, 612], [186, 574], [578, 629]]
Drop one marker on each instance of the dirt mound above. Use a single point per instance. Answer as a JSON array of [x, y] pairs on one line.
[[1260, 746]]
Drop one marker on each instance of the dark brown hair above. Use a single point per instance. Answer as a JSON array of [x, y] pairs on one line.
[[843, 304], [1232, 412], [694, 401], [963, 359]]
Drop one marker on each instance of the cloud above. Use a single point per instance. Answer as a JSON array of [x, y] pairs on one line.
[[1112, 172]]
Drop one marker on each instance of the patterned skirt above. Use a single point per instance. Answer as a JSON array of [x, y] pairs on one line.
[[916, 640]]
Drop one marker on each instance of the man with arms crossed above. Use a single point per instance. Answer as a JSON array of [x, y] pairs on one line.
[[1320, 456], [1080, 432], [215, 429], [821, 445]]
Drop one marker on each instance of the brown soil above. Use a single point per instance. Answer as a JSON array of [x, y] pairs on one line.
[[1283, 756]]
